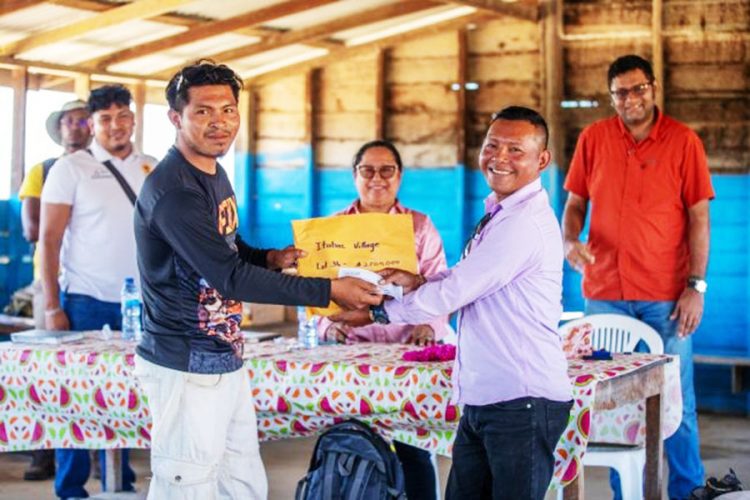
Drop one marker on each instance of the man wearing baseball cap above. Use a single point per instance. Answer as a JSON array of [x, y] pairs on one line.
[[69, 128]]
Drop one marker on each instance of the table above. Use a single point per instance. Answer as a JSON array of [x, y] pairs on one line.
[[84, 395]]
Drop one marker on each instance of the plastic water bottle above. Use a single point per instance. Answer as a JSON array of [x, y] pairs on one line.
[[130, 304], [307, 329]]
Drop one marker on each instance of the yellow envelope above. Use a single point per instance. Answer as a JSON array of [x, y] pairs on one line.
[[369, 241]]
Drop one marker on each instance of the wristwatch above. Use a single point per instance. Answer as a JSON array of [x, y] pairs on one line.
[[378, 315], [697, 283]]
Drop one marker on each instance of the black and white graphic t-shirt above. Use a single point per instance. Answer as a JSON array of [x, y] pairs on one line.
[[195, 270]]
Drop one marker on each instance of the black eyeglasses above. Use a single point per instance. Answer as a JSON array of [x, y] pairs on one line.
[[384, 171], [637, 90]]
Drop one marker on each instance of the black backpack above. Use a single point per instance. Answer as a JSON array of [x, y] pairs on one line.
[[351, 462]]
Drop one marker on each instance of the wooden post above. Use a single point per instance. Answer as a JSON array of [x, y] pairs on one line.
[[551, 26], [380, 89], [139, 98], [20, 83], [82, 85], [310, 177], [654, 446], [657, 44], [461, 97], [244, 151], [574, 490], [461, 121]]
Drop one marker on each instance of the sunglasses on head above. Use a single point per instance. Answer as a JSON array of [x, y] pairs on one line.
[[384, 171]]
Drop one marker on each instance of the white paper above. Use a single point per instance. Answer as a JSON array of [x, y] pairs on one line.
[[389, 289]]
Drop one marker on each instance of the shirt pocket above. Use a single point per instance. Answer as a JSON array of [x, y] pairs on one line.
[[660, 188]]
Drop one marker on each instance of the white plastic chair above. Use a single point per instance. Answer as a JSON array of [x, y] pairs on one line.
[[618, 333]]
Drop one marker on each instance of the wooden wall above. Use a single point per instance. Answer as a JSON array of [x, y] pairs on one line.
[[706, 51], [405, 94]]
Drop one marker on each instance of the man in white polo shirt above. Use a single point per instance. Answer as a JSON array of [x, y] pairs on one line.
[[88, 245]]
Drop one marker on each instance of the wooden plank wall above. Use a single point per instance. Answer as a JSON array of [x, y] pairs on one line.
[[421, 109], [707, 67]]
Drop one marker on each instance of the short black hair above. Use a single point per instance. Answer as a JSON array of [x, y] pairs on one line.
[[105, 97], [377, 144], [520, 113], [630, 62], [202, 72]]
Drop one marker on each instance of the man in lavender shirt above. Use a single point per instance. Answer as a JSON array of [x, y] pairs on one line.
[[510, 372]]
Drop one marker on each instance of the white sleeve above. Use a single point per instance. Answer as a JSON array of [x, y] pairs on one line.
[[60, 186]]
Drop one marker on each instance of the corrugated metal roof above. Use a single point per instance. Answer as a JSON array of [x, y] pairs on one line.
[[84, 51], [159, 61]]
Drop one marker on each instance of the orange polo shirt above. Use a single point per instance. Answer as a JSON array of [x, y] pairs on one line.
[[638, 197]]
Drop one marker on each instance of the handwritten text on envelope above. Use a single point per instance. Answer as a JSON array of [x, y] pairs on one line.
[[369, 241]]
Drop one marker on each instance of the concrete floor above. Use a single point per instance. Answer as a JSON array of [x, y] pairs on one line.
[[725, 443]]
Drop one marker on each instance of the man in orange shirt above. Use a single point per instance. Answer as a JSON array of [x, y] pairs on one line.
[[647, 180]]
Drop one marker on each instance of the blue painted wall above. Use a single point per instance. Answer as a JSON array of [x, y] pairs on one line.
[[15, 251]]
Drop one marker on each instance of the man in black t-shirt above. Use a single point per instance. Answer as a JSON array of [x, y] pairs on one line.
[[195, 270]]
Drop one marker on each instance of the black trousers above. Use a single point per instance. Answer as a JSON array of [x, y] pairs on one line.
[[506, 450], [419, 474]]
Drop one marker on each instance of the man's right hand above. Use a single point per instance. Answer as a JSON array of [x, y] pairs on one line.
[[56, 319], [578, 254], [354, 293], [399, 277]]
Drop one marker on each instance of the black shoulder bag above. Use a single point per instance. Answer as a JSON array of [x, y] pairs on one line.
[[121, 180]]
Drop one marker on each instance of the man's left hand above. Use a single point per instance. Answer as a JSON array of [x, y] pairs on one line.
[[357, 317], [688, 312], [285, 258]]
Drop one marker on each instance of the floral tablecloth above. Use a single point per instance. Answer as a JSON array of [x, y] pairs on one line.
[[84, 395]]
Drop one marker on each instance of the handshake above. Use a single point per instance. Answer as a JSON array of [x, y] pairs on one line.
[[355, 289]]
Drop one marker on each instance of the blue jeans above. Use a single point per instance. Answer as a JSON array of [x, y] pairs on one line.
[[506, 450], [73, 466], [682, 447]]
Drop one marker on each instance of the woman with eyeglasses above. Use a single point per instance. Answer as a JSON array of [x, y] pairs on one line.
[[377, 170]]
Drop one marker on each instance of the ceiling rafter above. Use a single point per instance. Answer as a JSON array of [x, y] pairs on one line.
[[71, 69], [206, 30], [525, 9], [318, 31], [10, 6], [371, 47], [140, 9], [98, 6]]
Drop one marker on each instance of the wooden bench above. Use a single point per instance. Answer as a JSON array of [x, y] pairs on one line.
[[740, 366]]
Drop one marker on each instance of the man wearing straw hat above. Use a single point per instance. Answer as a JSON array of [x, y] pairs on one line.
[[68, 127]]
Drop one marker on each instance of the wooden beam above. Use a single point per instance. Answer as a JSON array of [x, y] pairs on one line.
[[97, 6], [657, 49], [367, 48], [380, 90], [528, 10], [139, 99], [139, 9], [82, 86], [20, 82], [206, 30], [10, 6], [318, 31], [70, 69]]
